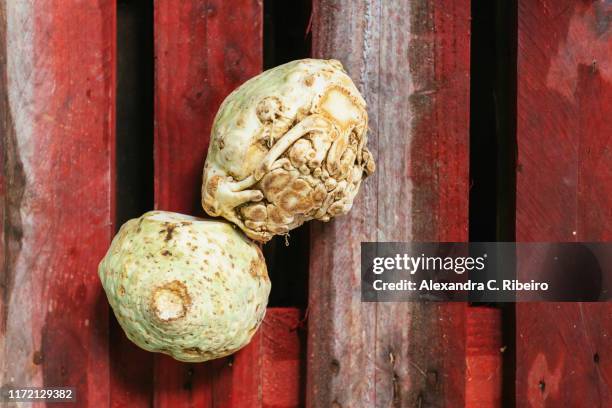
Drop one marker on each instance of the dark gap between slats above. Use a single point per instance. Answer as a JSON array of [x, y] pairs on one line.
[[493, 146], [483, 132], [507, 34], [134, 109], [134, 175], [285, 39]]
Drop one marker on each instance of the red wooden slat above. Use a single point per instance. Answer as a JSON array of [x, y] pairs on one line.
[[411, 61], [239, 381], [203, 51], [131, 370], [268, 372], [484, 358], [564, 191], [283, 359], [58, 142]]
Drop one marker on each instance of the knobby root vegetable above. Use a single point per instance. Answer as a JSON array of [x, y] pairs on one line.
[[191, 288], [287, 146]]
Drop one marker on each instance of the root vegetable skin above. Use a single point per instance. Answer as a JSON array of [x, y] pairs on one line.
[[287, 146], [191, 288]]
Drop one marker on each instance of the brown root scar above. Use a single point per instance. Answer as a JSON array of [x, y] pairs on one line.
[[170, 301]]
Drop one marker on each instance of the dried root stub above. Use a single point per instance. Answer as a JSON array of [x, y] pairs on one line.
[[287, 146], [191, 288]]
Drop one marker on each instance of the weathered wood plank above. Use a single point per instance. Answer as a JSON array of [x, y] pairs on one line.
[[58, 138], [413, 68], [564, 191], [203, 51]]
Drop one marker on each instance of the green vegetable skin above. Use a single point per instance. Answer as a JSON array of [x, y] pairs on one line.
[[287, 146], [191, 288]]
